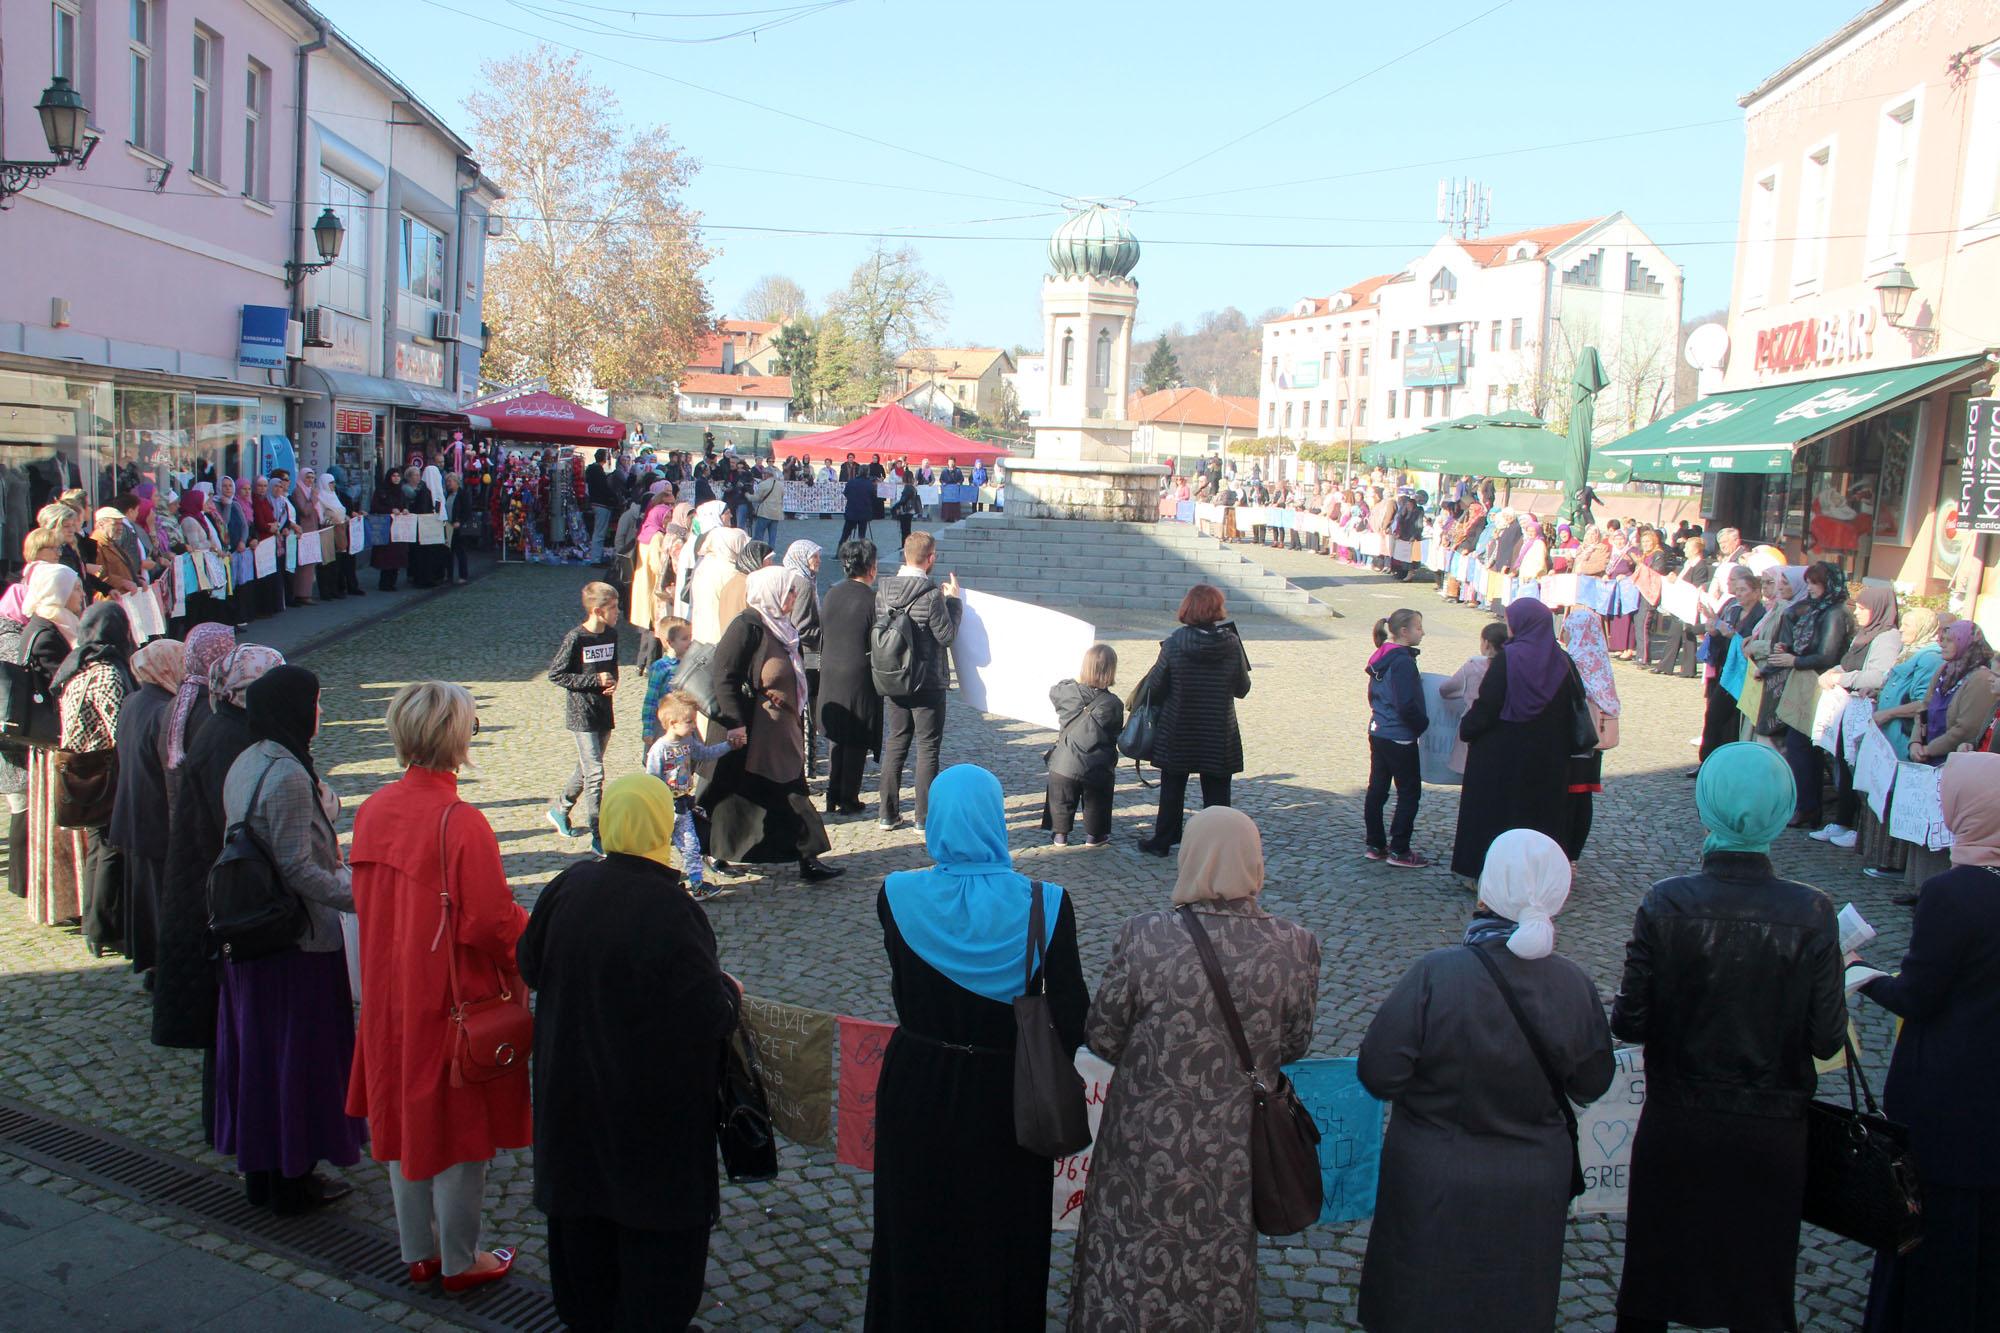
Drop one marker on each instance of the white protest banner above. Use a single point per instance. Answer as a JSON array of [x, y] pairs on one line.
[[1557, 590], [1604, 1131], [357, 534], [1073, 1172], [1827, 712], [291, 551], [143, 614], [403, 528], [1435, 745], [1875, 769], [1370, 544], [1918, 815], [266, 553], [1681, 600], [1010, 653], [1854, 726], [1400, 551], [309, 548], [430, 530]]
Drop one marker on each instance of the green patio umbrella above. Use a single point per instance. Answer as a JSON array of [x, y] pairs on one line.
[[1512, 446], [1585, 382]]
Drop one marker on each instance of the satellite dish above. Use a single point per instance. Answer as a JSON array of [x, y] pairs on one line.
[[1707, 347]]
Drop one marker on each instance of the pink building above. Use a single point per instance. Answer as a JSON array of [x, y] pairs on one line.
[[1862, 319]]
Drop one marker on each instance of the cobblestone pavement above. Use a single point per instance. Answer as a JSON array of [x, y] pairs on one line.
[[793, 1253]]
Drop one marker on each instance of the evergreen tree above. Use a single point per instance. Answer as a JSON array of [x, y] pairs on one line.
[[1163, 369]]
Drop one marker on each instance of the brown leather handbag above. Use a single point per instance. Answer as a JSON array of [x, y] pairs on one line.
[[86, 785], [1286, 1190], [491, 1036]]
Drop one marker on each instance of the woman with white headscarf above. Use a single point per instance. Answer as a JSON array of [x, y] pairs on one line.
[[758, 806], [1478, 1161], [1167, 1239], [334, 556], [716, 594]]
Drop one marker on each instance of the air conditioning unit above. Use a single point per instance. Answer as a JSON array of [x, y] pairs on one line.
[[319, 327], [444, 325], [295, 338]]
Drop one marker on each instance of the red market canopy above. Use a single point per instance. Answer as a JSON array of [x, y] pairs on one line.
[[892, 432], [544, 416]]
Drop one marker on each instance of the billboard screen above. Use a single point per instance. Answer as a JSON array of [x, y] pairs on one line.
[[1305, 373], [1426, 365]]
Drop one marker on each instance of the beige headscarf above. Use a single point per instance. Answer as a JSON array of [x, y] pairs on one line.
[[160, 662], [1222, 858]]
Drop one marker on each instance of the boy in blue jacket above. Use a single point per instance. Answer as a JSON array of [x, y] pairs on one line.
[[1397, 719]]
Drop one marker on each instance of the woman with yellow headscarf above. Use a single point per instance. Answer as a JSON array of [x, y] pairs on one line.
[[632, 1008]]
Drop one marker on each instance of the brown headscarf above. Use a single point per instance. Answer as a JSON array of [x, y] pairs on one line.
[[160, 662], [1222, 858], [1881, 604]]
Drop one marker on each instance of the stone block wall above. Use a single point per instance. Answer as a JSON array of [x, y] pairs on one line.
[[1128, 493]]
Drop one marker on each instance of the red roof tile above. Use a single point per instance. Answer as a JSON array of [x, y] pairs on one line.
[[1491, 250], [739, 386], [1195, 407]]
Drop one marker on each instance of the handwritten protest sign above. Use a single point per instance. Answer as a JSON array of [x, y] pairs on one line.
[[1010, 653], [357, 534], [430, 530], [862, 1045], [1681, 600], [1827, 712], [309, 548], [1917, 816], [1558, 590], [795, 1046], [266, 553], [1435, 745], [1855, 725], [1875, 769], [144, 614], [402, 527], [1072, 1173], [1604, 1136], [1350, 1134]]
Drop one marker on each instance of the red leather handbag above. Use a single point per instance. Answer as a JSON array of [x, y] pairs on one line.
[[491, 1036]]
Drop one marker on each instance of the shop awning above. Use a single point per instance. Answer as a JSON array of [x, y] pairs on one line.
[[545, 416], [354, 387], [1756, 430]]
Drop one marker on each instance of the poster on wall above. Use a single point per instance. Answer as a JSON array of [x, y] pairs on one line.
[[1897, 432], [1843, 510]]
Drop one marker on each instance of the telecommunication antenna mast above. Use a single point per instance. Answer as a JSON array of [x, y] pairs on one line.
[[1464, 206]]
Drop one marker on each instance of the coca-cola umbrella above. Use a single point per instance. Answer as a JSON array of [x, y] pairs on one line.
[[547, 416]]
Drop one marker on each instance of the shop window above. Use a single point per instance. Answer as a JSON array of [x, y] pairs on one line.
[[54, 436]]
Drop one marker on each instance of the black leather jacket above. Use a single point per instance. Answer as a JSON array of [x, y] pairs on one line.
[[1733, 985]]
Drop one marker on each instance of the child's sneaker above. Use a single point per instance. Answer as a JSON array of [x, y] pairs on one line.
[[560, 818], [1376, 853], [1409, 860]]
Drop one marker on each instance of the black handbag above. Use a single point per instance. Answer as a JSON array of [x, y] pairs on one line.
[[1861, 1181], [1051, 1115], [86, 786], [27, 707], [1583, 727], [1286, 1190], [742, 1111], [251, 914], [1541, 1053]]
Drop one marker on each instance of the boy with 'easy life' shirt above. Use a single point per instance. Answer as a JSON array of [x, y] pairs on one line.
[[586, 667]]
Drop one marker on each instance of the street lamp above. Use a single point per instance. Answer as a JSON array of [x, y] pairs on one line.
[[65, 124], [1895, 289], [327, 234]]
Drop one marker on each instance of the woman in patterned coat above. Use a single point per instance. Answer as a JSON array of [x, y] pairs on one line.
[[1167, 1240]]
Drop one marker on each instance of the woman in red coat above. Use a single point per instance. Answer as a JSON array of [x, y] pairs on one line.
[[435, 1138]]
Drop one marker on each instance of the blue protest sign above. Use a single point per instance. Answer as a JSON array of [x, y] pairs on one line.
[[1350, 1135]]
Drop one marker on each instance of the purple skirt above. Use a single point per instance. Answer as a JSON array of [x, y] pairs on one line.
[[284, 1045]]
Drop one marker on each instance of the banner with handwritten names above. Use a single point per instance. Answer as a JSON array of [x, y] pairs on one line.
[[795, 1045], [862, 1046], [1604, 1136], [1072, 1173], [266, 553], [1350, 1134]]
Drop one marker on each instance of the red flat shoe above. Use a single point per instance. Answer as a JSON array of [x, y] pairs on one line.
[[473, 1277], [425, 1271]]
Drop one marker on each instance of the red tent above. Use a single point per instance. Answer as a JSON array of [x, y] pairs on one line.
[[544, 416], [893, 432]]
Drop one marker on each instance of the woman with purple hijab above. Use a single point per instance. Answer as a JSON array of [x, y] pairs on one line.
[[1519, 734]]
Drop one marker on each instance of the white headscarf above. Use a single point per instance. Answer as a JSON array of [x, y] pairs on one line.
[[1526, 880], [50, 586], [434, 483], [766, 591], [331, 510]]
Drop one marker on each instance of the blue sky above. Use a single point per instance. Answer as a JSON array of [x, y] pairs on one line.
[[1030, 101]]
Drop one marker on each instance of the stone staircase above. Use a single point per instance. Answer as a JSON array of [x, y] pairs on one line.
[[1140, 566]]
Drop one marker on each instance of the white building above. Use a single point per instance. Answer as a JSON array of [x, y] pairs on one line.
[[737, 397], [1479, 326], [1030, 384]]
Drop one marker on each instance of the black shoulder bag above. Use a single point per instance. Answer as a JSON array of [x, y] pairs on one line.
[[251, 912], [1051, 1116], [1286, 1191], [1142, 718], [743, 1129], [1541, 1058], [1860, 1180]]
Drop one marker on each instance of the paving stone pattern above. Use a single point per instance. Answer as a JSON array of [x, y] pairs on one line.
[[794, 1253]]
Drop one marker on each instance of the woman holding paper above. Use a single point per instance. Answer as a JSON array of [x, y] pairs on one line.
[[1863, 670], [1943, 1083], [204, 542], [389, 558], [53, 600], [1812, 637], [1477, 1133], [1959, 707], [1739, 617]]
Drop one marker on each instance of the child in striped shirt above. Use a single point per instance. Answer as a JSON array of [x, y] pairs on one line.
[[672, 759], [675, 635]]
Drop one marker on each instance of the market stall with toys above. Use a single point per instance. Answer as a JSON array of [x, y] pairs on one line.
[[536, 450]]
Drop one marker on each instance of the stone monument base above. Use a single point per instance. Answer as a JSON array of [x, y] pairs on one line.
[[1104, 491]]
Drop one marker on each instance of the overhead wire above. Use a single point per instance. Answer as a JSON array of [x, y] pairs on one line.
[[604, 28]]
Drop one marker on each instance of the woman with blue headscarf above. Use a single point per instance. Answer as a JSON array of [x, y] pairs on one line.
[[961, 1210], [1733, 985]]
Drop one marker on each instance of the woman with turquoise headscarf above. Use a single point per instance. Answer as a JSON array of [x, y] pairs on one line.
[[1733, 985], [961, 1210]]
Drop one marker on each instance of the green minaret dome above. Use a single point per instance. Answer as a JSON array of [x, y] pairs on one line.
[[1094, 243]]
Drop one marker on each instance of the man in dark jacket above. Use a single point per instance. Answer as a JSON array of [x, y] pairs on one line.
[[858, 505], [1397, 720], [850, 711], [597, 489], [917, 717]]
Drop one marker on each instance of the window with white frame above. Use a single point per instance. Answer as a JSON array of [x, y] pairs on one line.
[[344, 285], [256, 171], [1979, 211], [1364, 360], [1444, 286], [421, 270], [1322, 413], [65, 34], [1761, 240], [1514, 335], [139, 45], [1815, 215], [1894, 187], [201, 160], [1494, 343], [1342, 417]]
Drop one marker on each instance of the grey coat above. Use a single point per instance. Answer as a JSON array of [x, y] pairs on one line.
[[1474, 1193], [299, 832], [1167, 1241]]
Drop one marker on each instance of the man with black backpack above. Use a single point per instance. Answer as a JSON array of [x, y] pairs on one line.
[[916, 619]]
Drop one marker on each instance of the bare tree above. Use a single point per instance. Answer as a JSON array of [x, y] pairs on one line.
[[890, 304], [598, 278], [774, 299]]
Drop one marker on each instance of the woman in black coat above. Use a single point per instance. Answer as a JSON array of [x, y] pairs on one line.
[[1942, 1080], [632, 1008], [1812, 637], [139, 809], [389, 558], [1201, 672], [1519, 734], [849, 709]]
